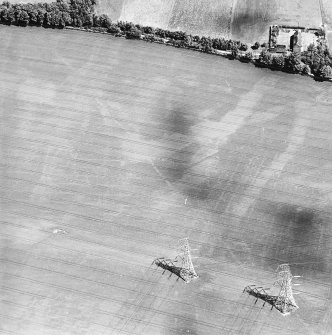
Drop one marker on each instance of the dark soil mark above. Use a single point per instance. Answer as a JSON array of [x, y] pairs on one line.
[[176, 121], [252, 19], [305, 242], [176, 124], [303, 221], [200, 192]]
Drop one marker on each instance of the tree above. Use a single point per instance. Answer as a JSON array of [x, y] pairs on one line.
[[6, 4], [79, 22], [248, 57], [278, 61], [104, 21], [265, 58], [40, 16], [23, 18], [148, 30], [113, 29], [3, 14], [54, 19], [206, 44], [325, 72], [255, 46], [188, 40], [243, 47], [293, 63], [316, 56], [8, 15], [47, 20], [66, 19], [33, 16], [160, 32], [134, 33], [196, 39]]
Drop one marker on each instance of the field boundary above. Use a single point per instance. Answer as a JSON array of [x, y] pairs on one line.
[[223, 53]]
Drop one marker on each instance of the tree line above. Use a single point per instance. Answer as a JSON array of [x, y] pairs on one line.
[[57, 14], [317, 60]]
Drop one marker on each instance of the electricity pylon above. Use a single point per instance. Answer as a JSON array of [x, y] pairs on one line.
[[181, 265], [187, 272], [285, 301]]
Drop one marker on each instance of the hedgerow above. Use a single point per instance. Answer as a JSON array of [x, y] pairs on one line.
[[316, 60]]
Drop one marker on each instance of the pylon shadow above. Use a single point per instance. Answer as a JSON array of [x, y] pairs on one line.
[[284, 306], [168, 265], [260, 293]]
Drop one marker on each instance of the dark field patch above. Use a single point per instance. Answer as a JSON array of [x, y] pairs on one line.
[[201, 192], [176, 124], [251, 19], [305, 237], [303, 222], [177, 120]]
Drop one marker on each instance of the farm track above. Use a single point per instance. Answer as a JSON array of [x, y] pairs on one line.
[[109, 156]]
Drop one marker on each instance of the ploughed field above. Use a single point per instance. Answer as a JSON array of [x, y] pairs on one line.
[[112, 150]]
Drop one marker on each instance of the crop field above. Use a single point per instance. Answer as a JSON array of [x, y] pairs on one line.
[[112, 150], [252, 18], [247, 20], [112, 8], [327, 18], [155, 13], [203, 17]]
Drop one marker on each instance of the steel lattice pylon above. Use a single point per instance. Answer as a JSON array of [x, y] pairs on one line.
[[181, 265], [285, 301], [188, 272]]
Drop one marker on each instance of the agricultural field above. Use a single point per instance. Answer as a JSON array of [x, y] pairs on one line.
[[327, 18], [246, 20], [155, 13], [112, 8], [252, 19], [202, 17], [327, 11], [112, 150]]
